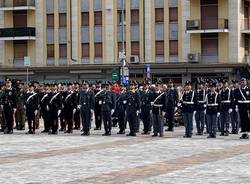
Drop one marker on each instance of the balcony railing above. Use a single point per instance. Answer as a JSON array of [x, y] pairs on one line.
[[16, 3], [17, 32], [207, 24]]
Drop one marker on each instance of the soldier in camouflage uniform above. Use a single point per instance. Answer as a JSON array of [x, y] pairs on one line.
[[20, 111]]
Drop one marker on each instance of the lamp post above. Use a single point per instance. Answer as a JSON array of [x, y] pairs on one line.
[[123, 40]]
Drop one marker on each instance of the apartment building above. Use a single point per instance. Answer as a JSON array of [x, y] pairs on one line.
[[81, 39]]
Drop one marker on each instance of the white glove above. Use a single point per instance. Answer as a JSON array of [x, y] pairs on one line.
[[230, 110], [205, 111], [24, 106], [175, 109], [74, 111], [237, 108], [1, 106], [47, 108], [218, 114], [112, 111], [195, 112], [79, 107], [150, 111], [92, 111], [179, 104], [59, 112], [137, 113], [152, 103], [163, 114], [36, 112], [14, 110]]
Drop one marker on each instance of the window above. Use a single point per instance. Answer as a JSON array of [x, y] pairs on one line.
[[85, 19], [173, 47], [50, 20], [134, 16], [135, 48], [85, 50], [98, 18], [20, 18], [98, 49], [50, 50], [62, 19], [63, 50], [119, 17], [159, 15], [173, 14], [159, 48], [20, 49]]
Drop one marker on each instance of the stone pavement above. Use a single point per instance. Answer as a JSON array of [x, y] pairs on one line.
[[73, 159]]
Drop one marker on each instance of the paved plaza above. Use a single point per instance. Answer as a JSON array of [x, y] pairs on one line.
[[73, 159]]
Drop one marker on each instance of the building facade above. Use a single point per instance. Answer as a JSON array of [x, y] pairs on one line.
[[81, 39]]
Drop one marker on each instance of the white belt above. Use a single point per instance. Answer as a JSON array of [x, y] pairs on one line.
[[226, 101], [189, 103], [156, 105], [212, 105], [201, 101], [243, 101]]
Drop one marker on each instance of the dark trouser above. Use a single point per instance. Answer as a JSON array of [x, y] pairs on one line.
[[37, 122], [170, 118], [121, 121], [244, 117], [62, 122], [106, 116], [98, 118], [219, 124], [77, 119], [46, 119], [8, 114], [145, 115], [137, 123], [207, 126], [158, 123], [131, 117], [2, 120], [200, 121], [68, 113], [235, 121], [54, 122], [212, 122], [31, 121], [225, 121], [188, 122], [86, 120]]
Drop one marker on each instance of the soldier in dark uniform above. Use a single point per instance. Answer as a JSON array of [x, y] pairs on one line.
[[242, 96], [98, 115], [69, 107], [188, 103], [158, 102], [212, 109], [46, 95], [172, 100], [86, 106], [133, 108], [31, 106], [77, 119], [9, 106], [200, 108], [37, 90], [137, 88], [62, 118], [108, 107], [226, 108], [121, 105], [2, 118], [146, 98], [20, 112], [234, 115], [55, 106]]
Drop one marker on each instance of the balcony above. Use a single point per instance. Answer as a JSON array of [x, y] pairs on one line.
[[10, 5], [245, 26], [207, 26], [27, 33]]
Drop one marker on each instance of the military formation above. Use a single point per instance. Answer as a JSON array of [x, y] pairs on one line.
[[216, 106]]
